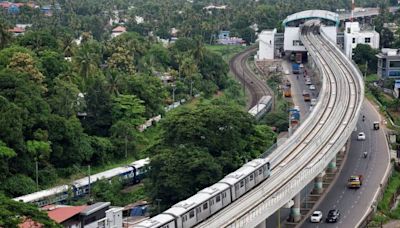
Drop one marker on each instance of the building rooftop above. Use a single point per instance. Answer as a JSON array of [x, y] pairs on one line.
[[95, 207], [308, 14], [119, 29], [389, 52], [61, 213]]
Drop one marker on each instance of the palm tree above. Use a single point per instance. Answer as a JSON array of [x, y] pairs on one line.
[[5, 36]]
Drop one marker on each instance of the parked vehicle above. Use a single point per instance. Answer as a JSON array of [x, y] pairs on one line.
[[308, 82], [312, 87], [306, 95], [376, 125], [316, 217], [355, 181], [333, 216], [313, 102], [361, 136], [296, 68]]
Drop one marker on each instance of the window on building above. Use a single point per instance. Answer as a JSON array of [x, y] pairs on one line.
[[297, 43], [367, 40], [354, 40]]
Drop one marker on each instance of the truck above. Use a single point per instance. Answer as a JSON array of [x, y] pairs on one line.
[[355, 181], [287, 91], [295, 68]]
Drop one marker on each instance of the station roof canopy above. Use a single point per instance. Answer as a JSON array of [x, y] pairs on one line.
[[313, 14]]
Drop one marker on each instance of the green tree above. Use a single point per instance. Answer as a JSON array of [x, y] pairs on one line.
[[127, 114], [151, 91], [184, 170], [38, 41], [363, 54], [13, 213], [5, 36]]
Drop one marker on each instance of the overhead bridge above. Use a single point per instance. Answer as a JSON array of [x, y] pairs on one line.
[[313, 146]]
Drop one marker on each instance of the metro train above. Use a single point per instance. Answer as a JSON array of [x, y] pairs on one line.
[[130, 174], [262, 107], [210, 200]]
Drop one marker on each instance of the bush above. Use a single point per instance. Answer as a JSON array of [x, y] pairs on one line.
[[18, 185]]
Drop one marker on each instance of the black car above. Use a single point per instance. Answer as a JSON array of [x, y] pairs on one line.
[[333, 216]]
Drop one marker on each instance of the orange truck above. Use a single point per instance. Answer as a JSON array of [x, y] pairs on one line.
[[355, 181]]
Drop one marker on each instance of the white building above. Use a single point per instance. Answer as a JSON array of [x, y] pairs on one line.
[[293, 24], [353, 35], [266, 45]]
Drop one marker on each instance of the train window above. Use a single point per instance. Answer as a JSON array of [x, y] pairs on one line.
[[260, 171], [236, 187], [198, 210], [184, 218], [205, 206], [191, 214], [218, 198], [251, 177], [241, 184], [211, 202]]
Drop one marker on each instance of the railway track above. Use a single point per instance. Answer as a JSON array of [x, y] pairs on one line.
[[256, 87], [311, 148]]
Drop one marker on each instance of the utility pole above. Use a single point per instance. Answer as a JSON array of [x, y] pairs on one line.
[[89, 179], [37, 174]]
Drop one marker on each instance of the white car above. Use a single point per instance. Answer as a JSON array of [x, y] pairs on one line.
[[308, 82], [361, 136], [312, 87], [316, 216], [313, 102]]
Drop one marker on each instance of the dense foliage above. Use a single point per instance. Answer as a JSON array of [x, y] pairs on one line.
[[200, 145], [13, 213], [65, 114]]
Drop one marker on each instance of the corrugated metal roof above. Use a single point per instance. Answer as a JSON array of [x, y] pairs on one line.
[[313, 14]]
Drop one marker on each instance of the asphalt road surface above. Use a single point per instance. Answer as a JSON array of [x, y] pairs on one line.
[[354, 203]]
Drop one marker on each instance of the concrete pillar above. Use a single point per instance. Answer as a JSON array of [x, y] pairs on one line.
[[261, 225], [318, 187], [295, 215], [332, 165]]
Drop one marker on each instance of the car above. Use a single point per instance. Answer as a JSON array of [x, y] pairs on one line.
[[333, 216], [376, 125], [312, 87], [316, 216], [287, 72], [308, 82], [313, 101], [361, 136]]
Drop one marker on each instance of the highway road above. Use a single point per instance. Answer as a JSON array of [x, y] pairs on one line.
[[353, 204], [298, 85]]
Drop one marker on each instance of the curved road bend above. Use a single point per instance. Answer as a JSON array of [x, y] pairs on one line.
[[253, 84], [353, 204]]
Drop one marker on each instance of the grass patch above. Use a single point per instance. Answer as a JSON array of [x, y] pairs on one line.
[[384, 214], [226, 51]]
